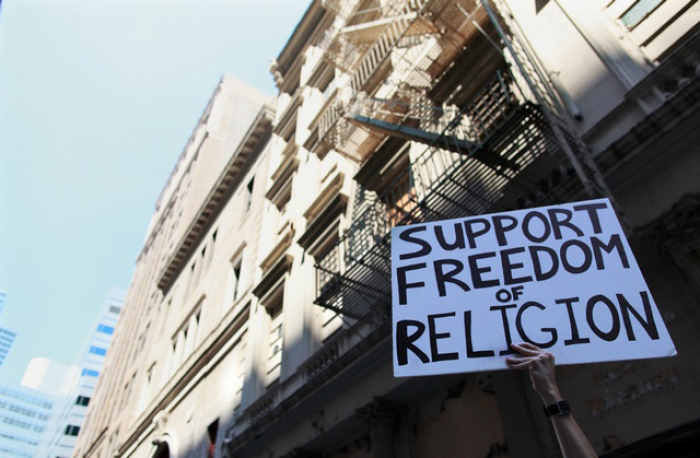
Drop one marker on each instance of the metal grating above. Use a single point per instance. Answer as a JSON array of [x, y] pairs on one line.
[[354, 277], [520, 151]]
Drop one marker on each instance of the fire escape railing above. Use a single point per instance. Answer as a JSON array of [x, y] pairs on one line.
[[510, 147], [353, 278], [361, 62]]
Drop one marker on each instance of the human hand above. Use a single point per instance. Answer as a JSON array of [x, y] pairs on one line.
[[540, 364]]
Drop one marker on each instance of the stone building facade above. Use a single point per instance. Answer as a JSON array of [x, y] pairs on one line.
[[258, 320]]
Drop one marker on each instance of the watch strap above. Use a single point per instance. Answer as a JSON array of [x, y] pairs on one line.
[[558, 408]]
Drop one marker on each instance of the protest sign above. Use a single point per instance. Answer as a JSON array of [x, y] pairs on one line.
[[561, 277]]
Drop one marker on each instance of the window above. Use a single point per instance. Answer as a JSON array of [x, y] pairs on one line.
[[639, 11], [329, 89], [82, 401], [190, 334], [111, 446], [114, 309], [239, 372], [90, 373], [97, 351], [249, 194], [275, 342], [128, 388], [176, 348], [212, 432], [194, 275], [146, 389], [185, 340], [236, 277], [105, 329], [211, 247], [72, 430], [125, 395], [145, 336]]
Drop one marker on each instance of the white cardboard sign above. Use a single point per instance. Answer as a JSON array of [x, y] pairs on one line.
[[561, 277]]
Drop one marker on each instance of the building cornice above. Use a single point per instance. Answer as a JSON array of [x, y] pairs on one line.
[[248, 148], [293, 50], [159, 201]]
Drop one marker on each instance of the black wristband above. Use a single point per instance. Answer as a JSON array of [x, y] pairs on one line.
[[559, 408]]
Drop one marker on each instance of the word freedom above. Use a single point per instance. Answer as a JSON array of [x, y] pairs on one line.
[[505, 267]]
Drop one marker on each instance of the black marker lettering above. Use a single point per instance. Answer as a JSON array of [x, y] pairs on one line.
[[615, 243], [405, 342], [458, 239], [500, 228], [476, 271], [471, 353], [575, 337], [540, 274], [587, 256], [649, 325], [472, 234], [435, 336], [403, 284], [506, 327], [442, 277], [592, 210], [521, 331], [615, 328], [557, 223], [508, 266], [406, 236], [527, 231]]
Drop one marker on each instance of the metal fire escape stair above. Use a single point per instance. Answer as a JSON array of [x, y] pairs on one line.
[[519, 151]]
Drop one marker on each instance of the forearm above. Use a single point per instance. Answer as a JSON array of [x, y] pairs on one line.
[[540, 364], [572, 441]]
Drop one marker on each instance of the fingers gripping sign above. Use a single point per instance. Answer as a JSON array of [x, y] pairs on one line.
[[540, 364]]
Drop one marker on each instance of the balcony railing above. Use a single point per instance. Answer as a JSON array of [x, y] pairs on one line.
[[514, 161], [415, 41], [519, 151]]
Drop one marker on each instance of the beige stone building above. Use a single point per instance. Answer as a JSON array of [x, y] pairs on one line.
[[258, 319]]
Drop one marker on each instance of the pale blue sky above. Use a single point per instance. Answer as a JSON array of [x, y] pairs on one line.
[[97, 101]]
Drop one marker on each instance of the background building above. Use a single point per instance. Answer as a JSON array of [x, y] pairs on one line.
[[23, 412], [3, 300], [258, 319], [50, 377], [23, 417], [74, 389], [7, 337]]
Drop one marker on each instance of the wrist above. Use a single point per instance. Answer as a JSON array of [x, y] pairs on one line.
[[550, 396]]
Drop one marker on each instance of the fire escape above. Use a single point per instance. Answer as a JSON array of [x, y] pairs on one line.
[[499, 141]]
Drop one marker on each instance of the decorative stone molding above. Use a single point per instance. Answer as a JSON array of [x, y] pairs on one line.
[[677, 233], [276, 73], [160, 422], [322, 359], [262, 406], [381, 412]]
